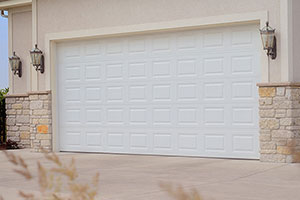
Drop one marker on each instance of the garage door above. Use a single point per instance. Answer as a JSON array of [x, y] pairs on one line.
[[190, 93]]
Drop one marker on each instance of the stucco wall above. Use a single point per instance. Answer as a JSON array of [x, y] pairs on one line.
[[21, 44], [68, 15]]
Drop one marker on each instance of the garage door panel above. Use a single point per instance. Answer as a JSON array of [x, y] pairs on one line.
[[214, 90], [188, 142], [93, 72], [188, 116], [93, 116], [72, 94], [213, 66], [115, 116], [72, 51], [187, 41], [187, 67], [163, 141], [94, 139], [139, 116], [116, 140], [243, 37], [93, 48], [138, 70], [243, 116], [174, 93], [214, 116], [243, 90], [243, 143], [139, 141], [71, 139], [242, 64]]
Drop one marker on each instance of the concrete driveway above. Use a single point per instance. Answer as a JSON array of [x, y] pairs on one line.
[[125, 177]]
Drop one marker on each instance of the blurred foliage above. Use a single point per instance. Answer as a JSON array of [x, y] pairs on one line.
[[3, 92], [58, 181], [12, 145]]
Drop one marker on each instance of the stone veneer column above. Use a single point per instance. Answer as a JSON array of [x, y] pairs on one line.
[[279, 111], [29, 120], [40, 121]]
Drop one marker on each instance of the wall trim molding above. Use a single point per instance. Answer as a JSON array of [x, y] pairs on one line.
[[14, 3], [28, 94], [279, 84]]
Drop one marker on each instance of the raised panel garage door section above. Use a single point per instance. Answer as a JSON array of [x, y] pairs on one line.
[[186, 93]]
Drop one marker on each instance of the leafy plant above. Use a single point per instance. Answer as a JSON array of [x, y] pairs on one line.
[[3, 92], [12, 145]]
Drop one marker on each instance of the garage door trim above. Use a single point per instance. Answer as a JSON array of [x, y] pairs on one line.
[[52, 39]]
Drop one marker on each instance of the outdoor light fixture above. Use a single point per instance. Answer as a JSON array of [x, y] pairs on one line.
[[3, 14], [37, 59], [16, 64], [269, 40]]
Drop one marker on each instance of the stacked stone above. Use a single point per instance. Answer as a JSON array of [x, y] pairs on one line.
[[40, 121], [18, 118], [279, 112], [29, 120]]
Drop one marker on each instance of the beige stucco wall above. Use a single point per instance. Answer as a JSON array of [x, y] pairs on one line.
[[21, 44], [55, 16]]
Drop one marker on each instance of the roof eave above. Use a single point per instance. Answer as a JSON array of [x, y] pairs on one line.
[[5, 5]]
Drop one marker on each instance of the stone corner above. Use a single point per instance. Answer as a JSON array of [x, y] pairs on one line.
[[28, 117], [279, 123]]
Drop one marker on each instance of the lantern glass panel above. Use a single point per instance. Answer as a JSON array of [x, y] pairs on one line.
[[11, 63], [36, 58], [268, 40], [15, 64], [267, 36]]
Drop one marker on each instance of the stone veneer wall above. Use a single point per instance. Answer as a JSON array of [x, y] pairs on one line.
[[279, 111], [29, 120], [18, 119]]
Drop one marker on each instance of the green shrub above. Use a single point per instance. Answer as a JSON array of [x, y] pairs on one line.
[[3, 92], [12, 145]]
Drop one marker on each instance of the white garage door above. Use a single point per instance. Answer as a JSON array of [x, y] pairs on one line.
[[187, 93]]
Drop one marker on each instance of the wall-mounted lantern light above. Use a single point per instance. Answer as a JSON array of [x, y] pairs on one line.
[[37, 59], [3, 14], [269, 40], [16, 64]]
